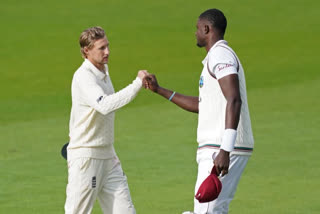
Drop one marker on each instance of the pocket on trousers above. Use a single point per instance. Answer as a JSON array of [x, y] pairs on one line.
[[84, 164]]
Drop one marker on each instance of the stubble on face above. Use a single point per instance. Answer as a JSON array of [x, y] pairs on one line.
[[200, 34], [99, 54]]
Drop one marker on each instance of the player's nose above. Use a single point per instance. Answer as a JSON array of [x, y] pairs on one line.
[[107, 51]]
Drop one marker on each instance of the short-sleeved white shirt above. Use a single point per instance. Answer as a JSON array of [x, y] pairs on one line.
[[222, 62]]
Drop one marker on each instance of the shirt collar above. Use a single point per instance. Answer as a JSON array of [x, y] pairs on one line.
[[95, 70], [215, 45]]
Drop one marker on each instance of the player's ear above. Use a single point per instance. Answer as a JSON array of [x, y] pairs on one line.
[[206, 29], [86, 50]]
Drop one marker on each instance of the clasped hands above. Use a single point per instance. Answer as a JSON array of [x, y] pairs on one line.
[[149, 81]]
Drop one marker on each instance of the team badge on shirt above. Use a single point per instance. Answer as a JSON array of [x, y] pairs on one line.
[[201, 82], [99, 99]]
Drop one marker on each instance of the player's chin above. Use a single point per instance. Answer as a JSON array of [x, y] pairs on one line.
[[105, 60], [200, 45]]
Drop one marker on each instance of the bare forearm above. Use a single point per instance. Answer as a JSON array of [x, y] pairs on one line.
[[230, 89], [233, 113], [188, 103]]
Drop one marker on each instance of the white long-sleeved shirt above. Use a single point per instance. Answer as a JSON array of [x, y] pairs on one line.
[[91, 127], [221, 61]]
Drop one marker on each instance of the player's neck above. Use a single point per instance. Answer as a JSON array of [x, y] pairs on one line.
[[211, 42], [99, 66]]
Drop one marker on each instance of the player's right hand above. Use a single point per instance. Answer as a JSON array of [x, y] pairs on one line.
[[152, 83], [142, 74]]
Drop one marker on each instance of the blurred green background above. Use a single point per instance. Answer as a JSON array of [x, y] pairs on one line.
[[277, 42]]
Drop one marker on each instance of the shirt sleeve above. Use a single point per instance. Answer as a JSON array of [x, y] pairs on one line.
[[94, 96], [222, 63], [224, 69]]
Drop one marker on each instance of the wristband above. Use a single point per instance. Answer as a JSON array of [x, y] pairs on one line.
[[172, 95], [228, 140]]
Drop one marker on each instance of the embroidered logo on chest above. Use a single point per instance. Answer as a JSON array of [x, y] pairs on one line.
[[201, 82]]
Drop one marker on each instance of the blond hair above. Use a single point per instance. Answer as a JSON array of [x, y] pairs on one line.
[[89, 36]]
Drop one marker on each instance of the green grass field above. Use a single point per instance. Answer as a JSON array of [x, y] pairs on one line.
[[277, 42]]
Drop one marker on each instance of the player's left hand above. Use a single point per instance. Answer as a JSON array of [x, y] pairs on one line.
[[222, 162]]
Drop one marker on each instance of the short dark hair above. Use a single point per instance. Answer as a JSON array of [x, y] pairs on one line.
[[216, 18]]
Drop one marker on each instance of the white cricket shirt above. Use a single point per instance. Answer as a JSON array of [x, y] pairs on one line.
[[91, 127], [220, 62]]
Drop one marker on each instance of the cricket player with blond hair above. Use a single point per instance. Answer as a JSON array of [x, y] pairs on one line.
[[94, 170]]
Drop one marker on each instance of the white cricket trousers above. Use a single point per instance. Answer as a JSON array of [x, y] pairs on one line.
[[229, 181], [89, 179]]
